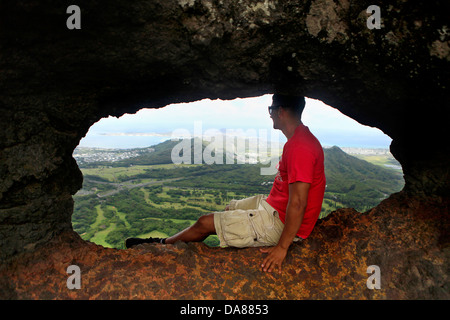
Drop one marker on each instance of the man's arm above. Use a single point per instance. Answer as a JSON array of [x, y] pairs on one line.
[[298, 198]]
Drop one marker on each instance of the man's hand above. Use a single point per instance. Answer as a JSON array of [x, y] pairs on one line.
[[274, 258], [298, 198]]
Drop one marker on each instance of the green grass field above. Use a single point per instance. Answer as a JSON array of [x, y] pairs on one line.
[[380, 160], [100, 217], [102, 225], [112, 173], [99, 224]]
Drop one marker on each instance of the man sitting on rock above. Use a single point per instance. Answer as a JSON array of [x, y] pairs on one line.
[[290, 211]]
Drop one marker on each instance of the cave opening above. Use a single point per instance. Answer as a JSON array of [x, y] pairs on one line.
[[134, 187]]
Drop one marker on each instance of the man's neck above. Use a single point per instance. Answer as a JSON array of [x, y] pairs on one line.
[[289, 129]]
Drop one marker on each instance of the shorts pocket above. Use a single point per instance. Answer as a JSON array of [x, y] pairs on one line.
[[236, 229], [268, 227]]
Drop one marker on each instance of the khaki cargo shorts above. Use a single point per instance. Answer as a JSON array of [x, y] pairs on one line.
[[249, 222]]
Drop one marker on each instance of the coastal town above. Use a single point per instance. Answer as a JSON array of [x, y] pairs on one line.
[[89, 155]]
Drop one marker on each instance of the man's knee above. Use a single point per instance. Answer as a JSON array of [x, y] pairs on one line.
[[206, 223]]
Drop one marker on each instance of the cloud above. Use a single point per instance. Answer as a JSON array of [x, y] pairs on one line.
[[327, 123]]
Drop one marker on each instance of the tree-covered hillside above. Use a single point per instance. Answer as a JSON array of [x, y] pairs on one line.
[[358, 183]]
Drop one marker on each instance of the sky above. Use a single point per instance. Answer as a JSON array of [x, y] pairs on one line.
[[235, 117]]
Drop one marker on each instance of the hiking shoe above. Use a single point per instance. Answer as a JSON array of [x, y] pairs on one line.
[[131, 242]]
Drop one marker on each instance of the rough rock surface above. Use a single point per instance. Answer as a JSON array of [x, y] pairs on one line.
[[55, 83], [409, 244]]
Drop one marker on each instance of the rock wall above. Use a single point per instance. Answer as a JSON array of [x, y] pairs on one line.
[[55, 83]]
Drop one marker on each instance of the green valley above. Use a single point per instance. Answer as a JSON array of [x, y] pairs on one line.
[[147, 195]]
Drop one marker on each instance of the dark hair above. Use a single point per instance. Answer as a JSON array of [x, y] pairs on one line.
[[295, 104]]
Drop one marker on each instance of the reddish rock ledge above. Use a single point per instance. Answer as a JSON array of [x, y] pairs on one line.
[[407, 238]]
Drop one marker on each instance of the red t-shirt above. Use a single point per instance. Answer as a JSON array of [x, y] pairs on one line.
[[302, 160]]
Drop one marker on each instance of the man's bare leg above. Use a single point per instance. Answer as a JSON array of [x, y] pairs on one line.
[[199, 231]]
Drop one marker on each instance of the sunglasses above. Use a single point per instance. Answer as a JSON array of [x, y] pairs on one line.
[[272, 108]]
